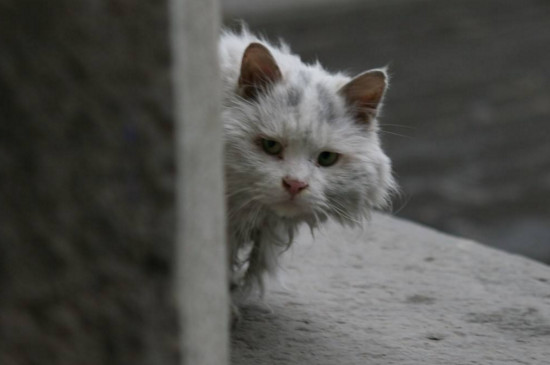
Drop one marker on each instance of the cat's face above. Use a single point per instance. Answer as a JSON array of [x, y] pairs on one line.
[[297, 146]]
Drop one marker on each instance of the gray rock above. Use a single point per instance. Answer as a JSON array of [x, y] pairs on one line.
[[398, 293]]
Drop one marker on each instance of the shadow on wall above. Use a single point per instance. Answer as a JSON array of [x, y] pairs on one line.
[[466, 119]]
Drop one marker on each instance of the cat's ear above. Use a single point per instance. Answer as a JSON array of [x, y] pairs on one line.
[[364, 94], [258, 71]]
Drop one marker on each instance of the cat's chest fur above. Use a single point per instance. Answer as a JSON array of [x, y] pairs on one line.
[[301, 146]]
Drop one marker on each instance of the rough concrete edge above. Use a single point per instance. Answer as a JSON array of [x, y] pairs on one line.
[[201, 278]]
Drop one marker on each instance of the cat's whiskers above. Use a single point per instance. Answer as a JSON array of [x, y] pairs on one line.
[[403, 204], [239, 209], [397, 125], [236, 192], [394, 134], [383, 130], [337, 207]]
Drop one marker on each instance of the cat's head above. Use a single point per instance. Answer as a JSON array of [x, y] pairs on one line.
[[303, 143]]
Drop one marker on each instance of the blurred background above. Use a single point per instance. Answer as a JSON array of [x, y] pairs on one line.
[[467, 117]]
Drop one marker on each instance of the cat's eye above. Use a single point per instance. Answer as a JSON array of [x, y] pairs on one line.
[[327, 158], [271, 147]]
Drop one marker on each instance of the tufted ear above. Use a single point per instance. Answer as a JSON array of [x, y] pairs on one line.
[[364, 94], [258, 71]]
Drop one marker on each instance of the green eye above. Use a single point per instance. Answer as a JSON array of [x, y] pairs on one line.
[[327, 159], [271, 147]]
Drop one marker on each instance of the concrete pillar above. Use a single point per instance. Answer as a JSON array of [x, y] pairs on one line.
[[88, 193], [201, 279]]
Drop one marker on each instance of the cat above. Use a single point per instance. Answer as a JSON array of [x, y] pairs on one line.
[[301, 146]]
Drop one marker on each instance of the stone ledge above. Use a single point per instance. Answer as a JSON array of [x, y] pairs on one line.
[[398, 293]]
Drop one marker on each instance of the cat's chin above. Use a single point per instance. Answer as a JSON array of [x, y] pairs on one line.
[[289, 210]]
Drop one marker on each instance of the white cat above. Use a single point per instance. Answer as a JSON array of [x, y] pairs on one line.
[[301, 146]]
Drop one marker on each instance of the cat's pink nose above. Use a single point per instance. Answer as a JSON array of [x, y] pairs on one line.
[[294, 186]]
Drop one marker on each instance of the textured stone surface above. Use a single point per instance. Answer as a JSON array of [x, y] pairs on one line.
[[398, 293], [201, 274], [86, 184]]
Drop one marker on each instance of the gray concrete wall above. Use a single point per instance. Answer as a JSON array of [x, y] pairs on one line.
[[87, 185], [202, 262]]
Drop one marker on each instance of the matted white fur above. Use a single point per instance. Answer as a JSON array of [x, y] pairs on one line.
[[307, 114]]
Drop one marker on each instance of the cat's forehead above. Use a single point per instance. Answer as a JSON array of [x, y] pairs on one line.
[[313, 86], [308, 99], [311, 113]]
